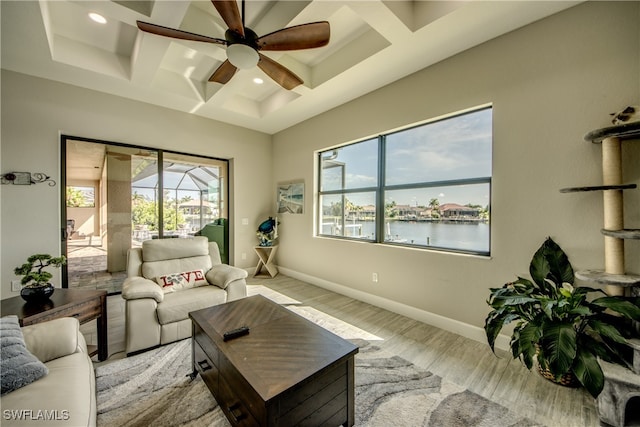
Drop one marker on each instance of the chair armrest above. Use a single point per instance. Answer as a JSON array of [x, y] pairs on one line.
[[134, 262], [236, 290], [52, 339], [139, 287], [222, 274]]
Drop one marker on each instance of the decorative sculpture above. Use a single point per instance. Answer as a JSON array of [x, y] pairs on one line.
[[268, 232], [26, 178]]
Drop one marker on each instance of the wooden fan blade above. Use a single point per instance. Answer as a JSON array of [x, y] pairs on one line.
[[177, 34], [228, 10], [279, 73], [224, 73], [305, 36]]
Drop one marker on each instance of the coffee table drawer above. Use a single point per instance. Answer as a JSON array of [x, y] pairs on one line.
[[237, 411], [207, 346], [207, 369], [242, 391]]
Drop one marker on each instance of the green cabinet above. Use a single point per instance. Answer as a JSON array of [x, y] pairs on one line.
[[218, 231]]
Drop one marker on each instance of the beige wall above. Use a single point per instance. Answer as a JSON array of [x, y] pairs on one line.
[[118, 212], [550, 83], [35, 112]]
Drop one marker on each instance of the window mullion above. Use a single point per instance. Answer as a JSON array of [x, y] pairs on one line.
[[160, 194], [448, 183], [380, 202]]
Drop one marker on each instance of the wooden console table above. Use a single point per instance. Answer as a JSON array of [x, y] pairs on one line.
[[266, 256], [84, 305]]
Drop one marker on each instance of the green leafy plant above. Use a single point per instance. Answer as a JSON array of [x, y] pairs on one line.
[[558, 325], [33, 269]]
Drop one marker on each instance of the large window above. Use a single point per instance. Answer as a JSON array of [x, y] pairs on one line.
[[426, 186]]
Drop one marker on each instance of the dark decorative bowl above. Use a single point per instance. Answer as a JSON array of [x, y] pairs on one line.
[[37, 293]]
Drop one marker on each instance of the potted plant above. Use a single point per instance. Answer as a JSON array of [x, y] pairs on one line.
[[35, 279], [558, 325]]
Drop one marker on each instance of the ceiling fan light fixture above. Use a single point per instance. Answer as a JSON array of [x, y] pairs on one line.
[[96, 17], [242, 56]]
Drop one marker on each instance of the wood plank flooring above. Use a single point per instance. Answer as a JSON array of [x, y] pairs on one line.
[[464, 361]]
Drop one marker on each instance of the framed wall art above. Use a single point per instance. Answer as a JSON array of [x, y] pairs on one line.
[[290, 197]]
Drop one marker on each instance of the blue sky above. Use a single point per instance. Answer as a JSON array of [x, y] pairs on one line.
[[455, 148]]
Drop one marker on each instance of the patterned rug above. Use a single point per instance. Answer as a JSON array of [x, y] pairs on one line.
[[153, 389]]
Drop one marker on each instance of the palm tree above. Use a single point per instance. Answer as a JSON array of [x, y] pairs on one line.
[[434, 204]]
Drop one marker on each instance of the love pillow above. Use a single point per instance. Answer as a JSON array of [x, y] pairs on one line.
[[179, 281]]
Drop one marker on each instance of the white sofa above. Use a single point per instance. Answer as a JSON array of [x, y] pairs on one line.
[[154, 317], [66, 396]]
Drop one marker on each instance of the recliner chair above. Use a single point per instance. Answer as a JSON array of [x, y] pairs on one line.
[[154, 316]]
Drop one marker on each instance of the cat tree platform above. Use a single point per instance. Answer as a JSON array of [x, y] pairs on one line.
[[621, 390]]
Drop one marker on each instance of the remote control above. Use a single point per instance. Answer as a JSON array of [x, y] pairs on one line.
[[235, 333]]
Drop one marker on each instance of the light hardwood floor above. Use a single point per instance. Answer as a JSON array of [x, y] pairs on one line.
[[464, 361]]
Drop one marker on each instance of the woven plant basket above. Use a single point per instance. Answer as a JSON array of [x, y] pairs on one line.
[[567, 380]]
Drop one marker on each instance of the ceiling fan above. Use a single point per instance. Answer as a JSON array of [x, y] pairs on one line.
[[244, 45]]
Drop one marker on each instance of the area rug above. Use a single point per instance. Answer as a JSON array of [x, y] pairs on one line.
[[153, 388]]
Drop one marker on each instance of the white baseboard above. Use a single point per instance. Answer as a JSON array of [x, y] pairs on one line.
[[464, 329]]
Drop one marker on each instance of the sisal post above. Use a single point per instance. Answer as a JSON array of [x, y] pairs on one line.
[[613, 210]]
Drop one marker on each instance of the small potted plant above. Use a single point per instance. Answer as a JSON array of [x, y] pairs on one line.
[[558, 326], [35, 280]]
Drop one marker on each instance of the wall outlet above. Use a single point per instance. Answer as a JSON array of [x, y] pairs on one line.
[[374, 277], [16, 286], [243, 255], [245, 221]]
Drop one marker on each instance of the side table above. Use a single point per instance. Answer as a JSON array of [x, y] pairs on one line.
[[84, 305], [266, 256]]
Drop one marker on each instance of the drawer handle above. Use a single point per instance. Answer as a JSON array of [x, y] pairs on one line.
[[204, 365], [236, 413]]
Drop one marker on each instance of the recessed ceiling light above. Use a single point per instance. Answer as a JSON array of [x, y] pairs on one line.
[[258, 81], [97, 18]]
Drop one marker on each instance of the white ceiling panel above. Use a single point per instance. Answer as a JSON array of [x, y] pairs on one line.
[[373, 43]]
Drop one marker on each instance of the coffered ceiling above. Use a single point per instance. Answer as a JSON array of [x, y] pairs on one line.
[[373, 43]]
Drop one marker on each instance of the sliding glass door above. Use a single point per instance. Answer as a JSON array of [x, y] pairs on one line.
[[192, 195], [118, 196]]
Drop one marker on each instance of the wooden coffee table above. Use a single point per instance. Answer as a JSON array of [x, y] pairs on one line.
[[286, 371], [83, 304]]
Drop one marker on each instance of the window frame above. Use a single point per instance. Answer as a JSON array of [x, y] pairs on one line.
[[382, 188]]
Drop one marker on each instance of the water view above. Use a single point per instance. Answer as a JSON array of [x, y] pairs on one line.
[[473, 237]]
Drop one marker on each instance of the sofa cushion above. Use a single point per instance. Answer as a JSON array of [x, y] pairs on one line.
[[177, 305], [61, 338], [183, 280], [166, 249], [18, 367], [65, 397]]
